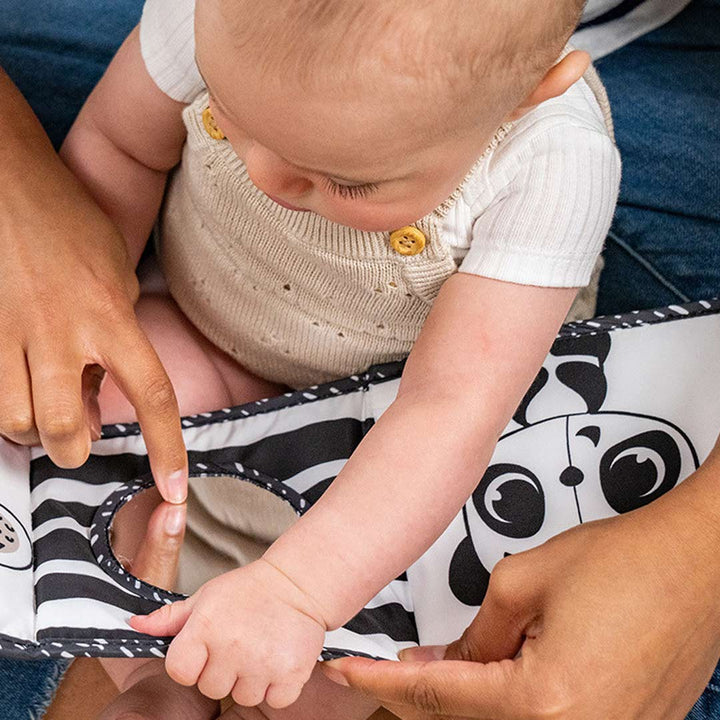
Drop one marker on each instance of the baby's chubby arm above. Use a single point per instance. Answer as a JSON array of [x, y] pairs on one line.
[[257, 631], [479, 350], [127, 137]]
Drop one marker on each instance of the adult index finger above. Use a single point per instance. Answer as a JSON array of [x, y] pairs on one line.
[[142, 379], [445, 688]]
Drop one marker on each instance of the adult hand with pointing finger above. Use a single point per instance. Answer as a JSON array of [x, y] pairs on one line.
[[66, 312]]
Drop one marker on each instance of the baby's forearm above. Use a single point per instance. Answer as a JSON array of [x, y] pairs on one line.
[[398, 492]]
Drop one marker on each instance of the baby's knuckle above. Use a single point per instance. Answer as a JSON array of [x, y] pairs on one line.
[[285, 665], [177, 672], [249, 696], [205, 627], [210, 690], [298, 667]]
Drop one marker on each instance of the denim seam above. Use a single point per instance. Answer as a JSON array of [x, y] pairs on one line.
[[647, 265]]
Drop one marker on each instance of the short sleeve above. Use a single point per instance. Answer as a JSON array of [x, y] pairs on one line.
[[167, 43], [548, 223]]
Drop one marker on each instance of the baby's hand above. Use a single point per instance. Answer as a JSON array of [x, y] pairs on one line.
[[251, 633]]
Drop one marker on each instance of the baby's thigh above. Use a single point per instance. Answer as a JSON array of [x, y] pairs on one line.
[[203, 376]]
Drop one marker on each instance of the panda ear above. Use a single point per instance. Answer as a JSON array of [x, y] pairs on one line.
[[468, 577], [520, 416], [587, 380]]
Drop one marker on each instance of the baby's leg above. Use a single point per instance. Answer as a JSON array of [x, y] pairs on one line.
[[203, 376]]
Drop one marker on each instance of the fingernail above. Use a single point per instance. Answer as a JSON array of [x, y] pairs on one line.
[[334, 674], [95, 431], [177, 487], [424, 653], [175, 520]]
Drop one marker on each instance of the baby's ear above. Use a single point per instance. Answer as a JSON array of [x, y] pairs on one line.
[[557, 80]]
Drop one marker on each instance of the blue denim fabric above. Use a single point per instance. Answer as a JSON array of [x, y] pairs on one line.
[[708, 706], [56, 51], [26, 688], [664, 88]]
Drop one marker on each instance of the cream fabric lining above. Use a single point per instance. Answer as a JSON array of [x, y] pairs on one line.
[[230, 523]]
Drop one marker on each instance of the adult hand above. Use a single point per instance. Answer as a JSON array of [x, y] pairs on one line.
[[612, 619], [66, 312]]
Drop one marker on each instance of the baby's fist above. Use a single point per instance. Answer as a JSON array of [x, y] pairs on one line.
[[251, 633]]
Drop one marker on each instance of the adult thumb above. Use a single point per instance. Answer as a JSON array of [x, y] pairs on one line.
[[498, 630]]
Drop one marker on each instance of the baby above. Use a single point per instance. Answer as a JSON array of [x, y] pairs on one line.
[[341, 162]]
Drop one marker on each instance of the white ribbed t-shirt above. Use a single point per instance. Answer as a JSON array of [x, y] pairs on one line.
[[534, 210]]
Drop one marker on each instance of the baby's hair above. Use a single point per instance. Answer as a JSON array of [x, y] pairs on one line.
[[494, 50]]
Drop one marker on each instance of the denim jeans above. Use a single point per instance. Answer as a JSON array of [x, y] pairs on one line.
[[26, 688], [56, 51], [663, 247]]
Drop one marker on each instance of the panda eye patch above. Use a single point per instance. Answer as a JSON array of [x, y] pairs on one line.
[[510, 500], [640, 469]]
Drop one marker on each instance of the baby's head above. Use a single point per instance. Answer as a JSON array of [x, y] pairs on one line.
[[371, 112]]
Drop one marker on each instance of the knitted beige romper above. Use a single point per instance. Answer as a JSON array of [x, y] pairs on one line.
[[292, 296]]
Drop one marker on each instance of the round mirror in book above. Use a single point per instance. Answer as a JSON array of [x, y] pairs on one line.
[[229, 523]]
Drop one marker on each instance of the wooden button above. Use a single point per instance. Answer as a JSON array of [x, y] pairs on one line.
[[211, 126], [407, 241]]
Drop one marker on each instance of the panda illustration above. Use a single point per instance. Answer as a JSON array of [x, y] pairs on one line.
[[556, 471]]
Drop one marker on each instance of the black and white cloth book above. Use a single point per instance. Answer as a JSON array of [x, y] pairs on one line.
[[623, 409]]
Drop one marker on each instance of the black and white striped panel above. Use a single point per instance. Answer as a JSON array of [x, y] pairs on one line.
[[303, 444]]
